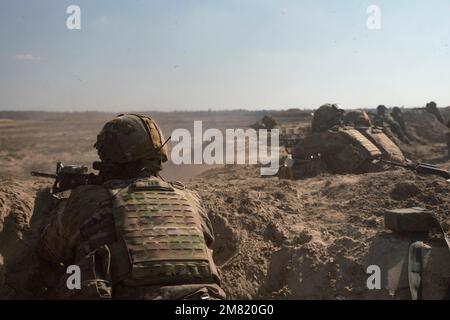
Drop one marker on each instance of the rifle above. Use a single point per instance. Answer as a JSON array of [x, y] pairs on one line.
[[69, 177], [423, 168]]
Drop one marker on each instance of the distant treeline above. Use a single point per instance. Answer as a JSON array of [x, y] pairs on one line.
[[279, 115], [49, 115]]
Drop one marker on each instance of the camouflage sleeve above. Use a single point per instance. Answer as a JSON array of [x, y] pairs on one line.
[[62, 233], [50, 240], [206, 223]]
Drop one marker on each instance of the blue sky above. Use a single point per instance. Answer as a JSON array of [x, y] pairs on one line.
[[192, 55]]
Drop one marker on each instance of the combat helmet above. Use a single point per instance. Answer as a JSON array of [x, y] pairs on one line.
[[382, 110], [130, 138], [396, 111], [358, 119], [326, 117], [432, 108]]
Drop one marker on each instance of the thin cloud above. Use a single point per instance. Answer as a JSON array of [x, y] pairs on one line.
[[26, 57]]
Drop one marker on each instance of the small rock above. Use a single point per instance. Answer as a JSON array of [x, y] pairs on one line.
[[279, 195], [302, 238], [404, 190]]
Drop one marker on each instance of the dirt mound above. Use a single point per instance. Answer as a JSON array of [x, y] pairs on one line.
[[445, 113], [313, 239], [404, 190], [15, 212], [423, 126], [278, 239], [426, 137], [16, 202]]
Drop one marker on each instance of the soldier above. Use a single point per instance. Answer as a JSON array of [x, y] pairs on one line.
[[388, 121], [326, 117], [432, 108], [397, 115], [267, 122], [344, 149], [358, 119], [135, 235]]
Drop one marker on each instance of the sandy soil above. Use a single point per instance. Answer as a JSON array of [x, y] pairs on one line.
[[307, 239]]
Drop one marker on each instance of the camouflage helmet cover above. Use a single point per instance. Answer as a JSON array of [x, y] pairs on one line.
[[357, 118], [326, 117], [431, 104], [396, 110], [382, 109], [131, 137]]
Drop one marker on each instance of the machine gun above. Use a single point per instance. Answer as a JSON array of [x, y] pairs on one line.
[[423, 168], [69, 177]]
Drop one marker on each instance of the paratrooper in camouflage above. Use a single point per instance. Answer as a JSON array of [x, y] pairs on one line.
[[343, 143], [391, 122], [135, 235]]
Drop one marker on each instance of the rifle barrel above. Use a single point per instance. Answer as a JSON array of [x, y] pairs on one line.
[[41, 174], [422, 168], [397, 164]]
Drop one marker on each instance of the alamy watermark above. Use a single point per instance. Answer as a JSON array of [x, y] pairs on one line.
[[237, 146], [374, 280], [374, 20], [73, 21], [74, 279]]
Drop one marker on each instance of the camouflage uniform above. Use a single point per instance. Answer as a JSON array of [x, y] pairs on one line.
[[326, 117], [388, 121], [357, 119], [432, 108], [134, 236], [397, 115], [345, 149]]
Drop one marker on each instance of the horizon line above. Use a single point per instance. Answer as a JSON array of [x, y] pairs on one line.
[[161, 110]]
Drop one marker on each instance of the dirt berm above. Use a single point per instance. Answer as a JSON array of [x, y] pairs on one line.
[[309, 239]]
